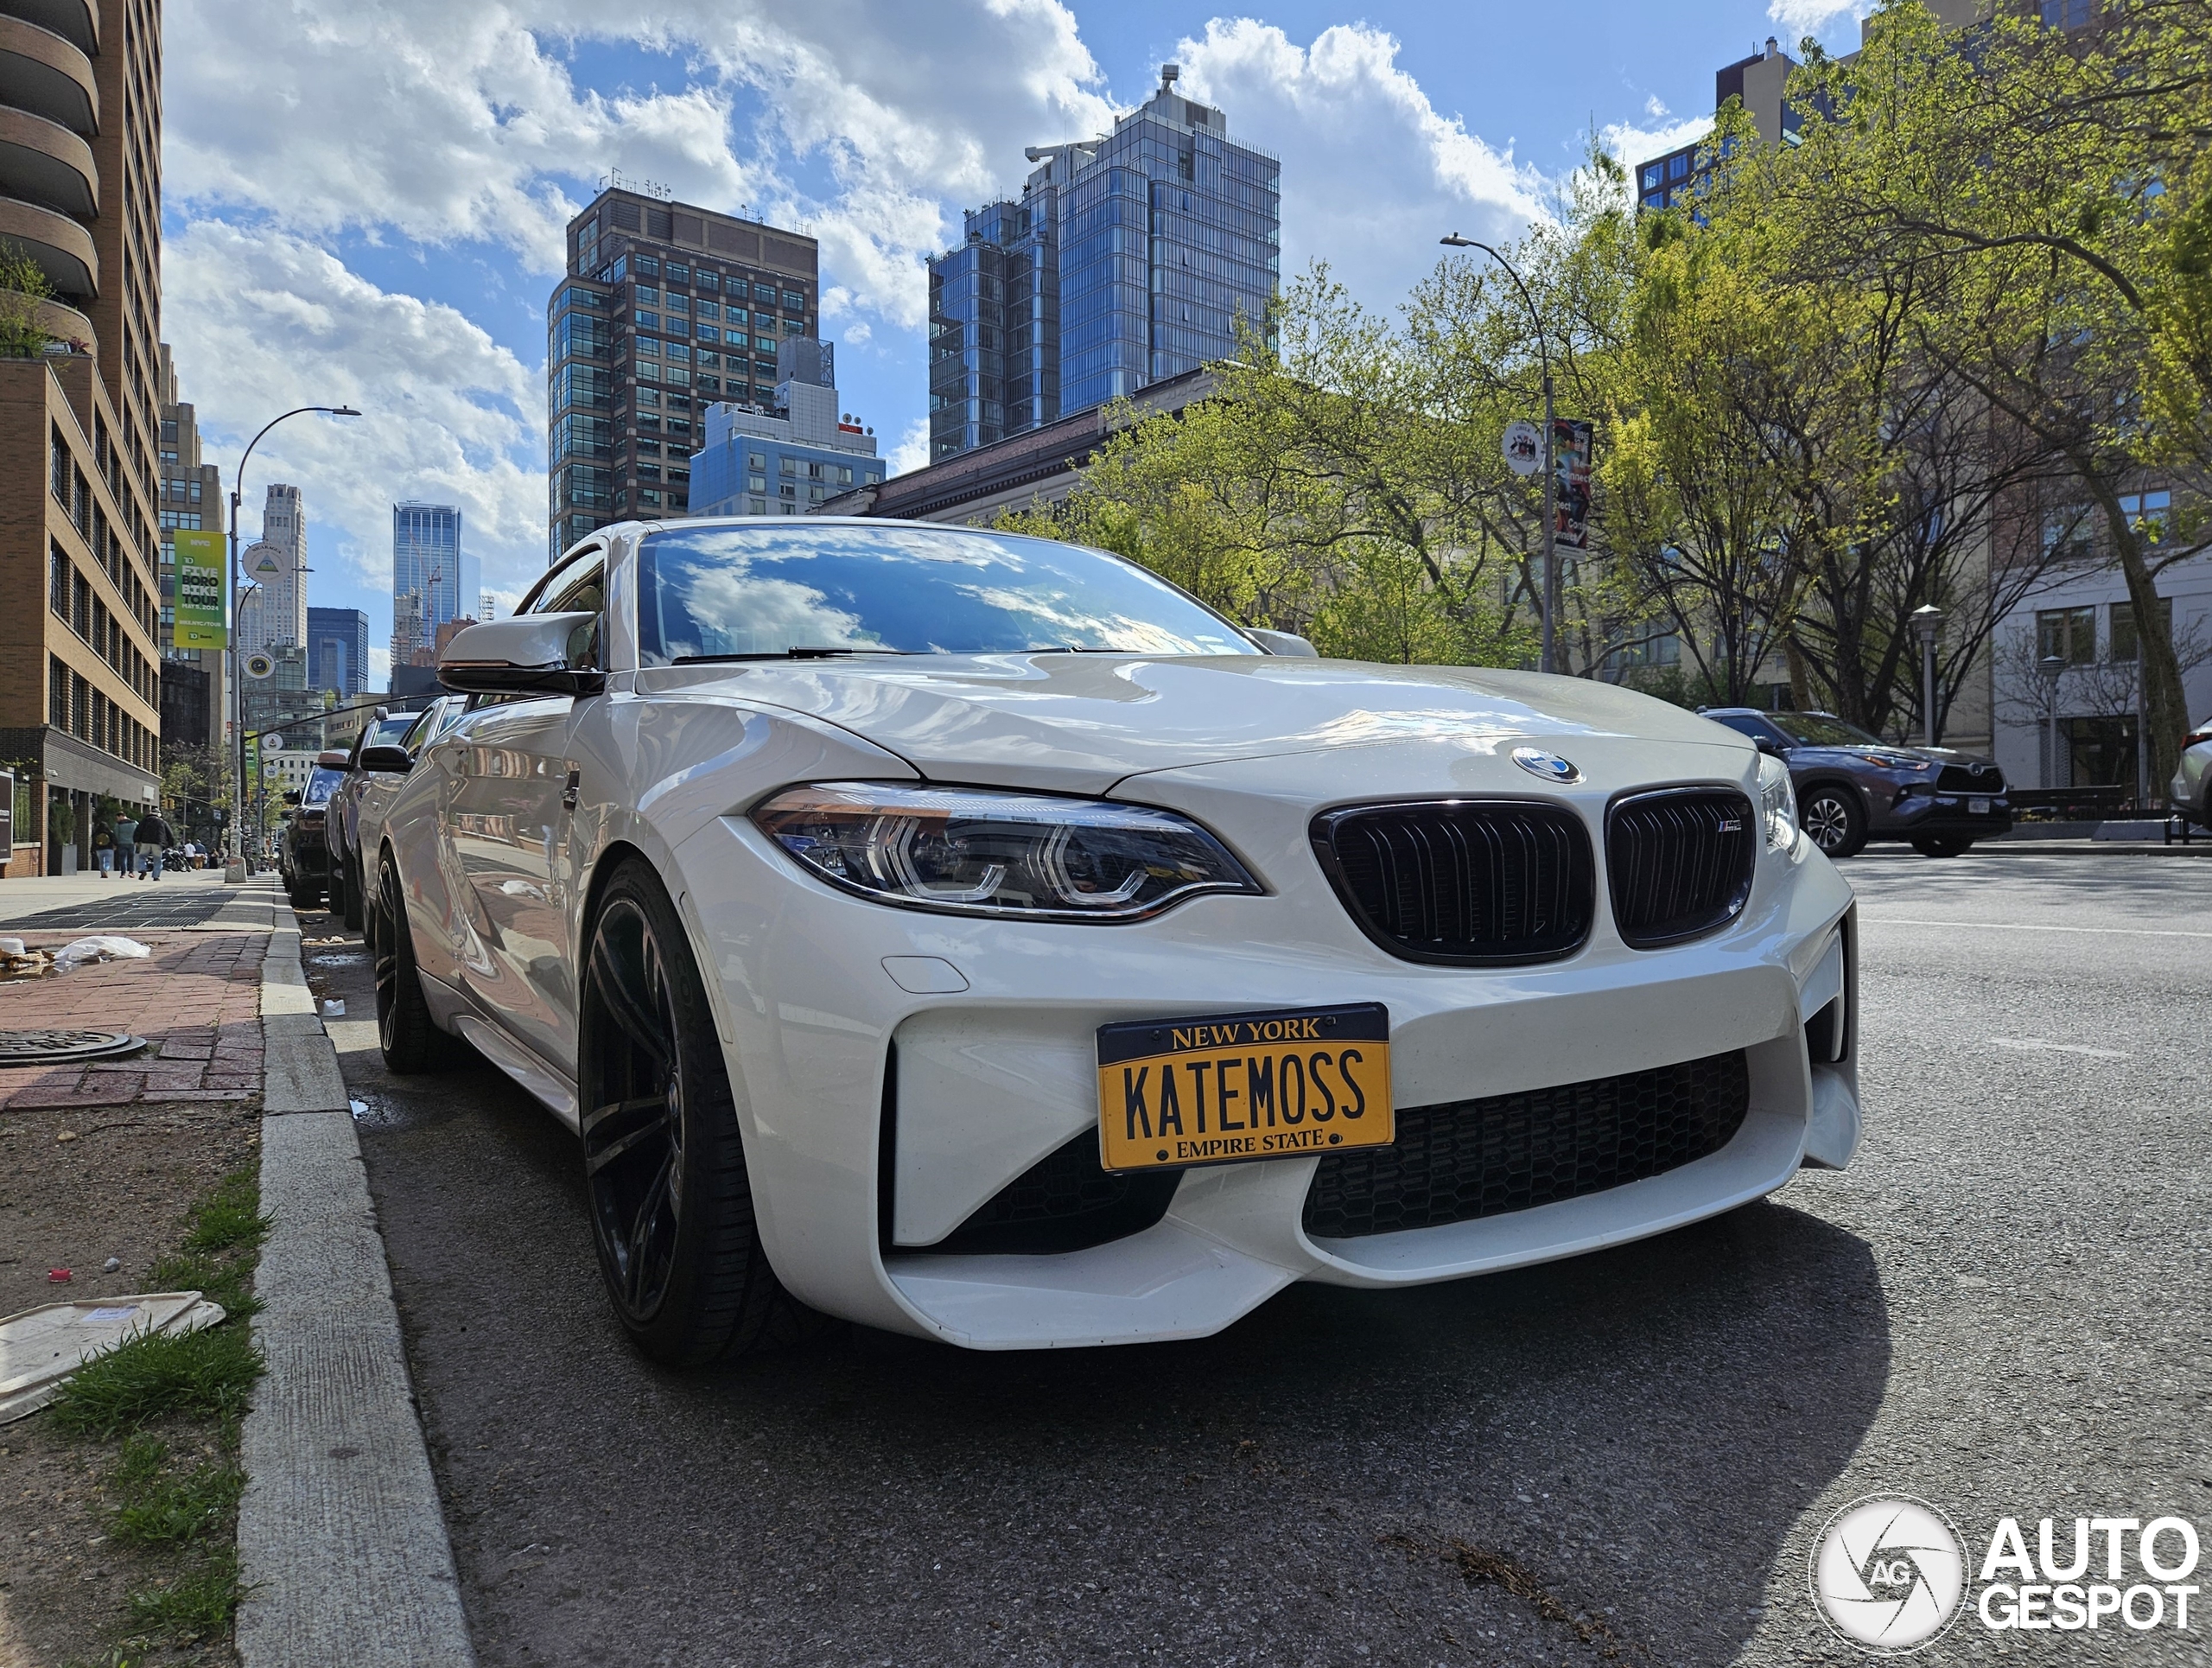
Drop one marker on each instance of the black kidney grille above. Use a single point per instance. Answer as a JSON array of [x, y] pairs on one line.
[[1483, 881], [1679, 862], [1970, 779], [1476, 1158]]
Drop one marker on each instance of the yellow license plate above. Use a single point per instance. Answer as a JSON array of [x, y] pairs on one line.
[[1227, 1088]]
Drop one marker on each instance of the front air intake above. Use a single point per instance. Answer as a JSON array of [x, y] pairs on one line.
[[1477, 882], [1681, 863]]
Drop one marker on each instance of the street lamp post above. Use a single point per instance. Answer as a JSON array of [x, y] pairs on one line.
[[1927, 620], [2049, 666], [1549, 661], [234, 871]]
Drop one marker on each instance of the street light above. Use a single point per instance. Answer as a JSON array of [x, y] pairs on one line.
[[234, 871], [1549, 660], [2051, 665], [1927, 620]]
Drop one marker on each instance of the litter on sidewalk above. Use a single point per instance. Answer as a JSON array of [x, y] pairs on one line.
[[99, 947], [40, 1347]]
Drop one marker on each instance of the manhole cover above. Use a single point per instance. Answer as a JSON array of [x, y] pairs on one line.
[[46, 1047]]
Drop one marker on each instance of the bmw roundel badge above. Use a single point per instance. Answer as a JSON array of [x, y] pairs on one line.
[[1549, 766]]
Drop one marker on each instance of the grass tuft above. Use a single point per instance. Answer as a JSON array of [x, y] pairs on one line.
[[222, 1281], [207, 1374], [197, 1604], [229, 1217], [161, 1506]]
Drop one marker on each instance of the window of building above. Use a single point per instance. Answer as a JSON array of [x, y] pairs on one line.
[[648, 397], [764, 343], [707, 280], [756, 460], [678, 303], [2069, 633], [756, 483], [2068, 534], [707, 332], [734, 315], [759, 506], [648, 495], [2149, 515], [789, 489], [646, 321], [787, 466], [765, 292], [648, 267], [2068, 14], [617, 272], [676, 349], [2121, 641], [648, 371], [646, 296], [677, 273], [795, 302], [1678, 165]]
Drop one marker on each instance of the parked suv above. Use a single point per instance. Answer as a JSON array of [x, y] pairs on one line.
[[302, 853], [1853, 788], [2191, 789]]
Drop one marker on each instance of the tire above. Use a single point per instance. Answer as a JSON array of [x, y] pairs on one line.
[[671, 1203], [411, 1043], [1831, 815], [303, 897], [1935, 846], [356, 904]]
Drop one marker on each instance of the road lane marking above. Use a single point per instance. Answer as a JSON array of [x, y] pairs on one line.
[[2044, 1045], [2034, 926]]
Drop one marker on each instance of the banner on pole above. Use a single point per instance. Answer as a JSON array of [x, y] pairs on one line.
[[200, 623], [1571, 447]]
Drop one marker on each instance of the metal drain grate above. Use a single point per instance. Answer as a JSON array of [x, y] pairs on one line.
[[57, 1047]]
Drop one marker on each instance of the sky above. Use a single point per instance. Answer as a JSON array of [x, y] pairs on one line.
[[366, 206]]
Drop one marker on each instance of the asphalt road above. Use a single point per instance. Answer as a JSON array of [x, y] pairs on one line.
[[2002, 1307]]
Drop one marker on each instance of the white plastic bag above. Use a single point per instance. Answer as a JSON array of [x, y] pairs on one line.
[[100, 948]]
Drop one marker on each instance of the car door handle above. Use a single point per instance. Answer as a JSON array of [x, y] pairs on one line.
[[571, 789]]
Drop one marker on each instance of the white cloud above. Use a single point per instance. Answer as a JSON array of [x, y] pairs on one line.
[[263, 321], [912, 450], [380, 668], [1375, 173], [1632, 143], [439, 122], [1802, 17]]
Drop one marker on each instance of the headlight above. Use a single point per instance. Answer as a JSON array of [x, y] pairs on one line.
[[975, 853], [1777, 803]]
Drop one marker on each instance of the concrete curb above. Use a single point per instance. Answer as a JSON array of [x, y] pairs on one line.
[[341, 1544]]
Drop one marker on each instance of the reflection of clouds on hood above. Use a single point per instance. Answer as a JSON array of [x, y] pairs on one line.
[[741, 615]]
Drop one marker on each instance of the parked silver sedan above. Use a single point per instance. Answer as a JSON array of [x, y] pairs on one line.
[[2191, 788]]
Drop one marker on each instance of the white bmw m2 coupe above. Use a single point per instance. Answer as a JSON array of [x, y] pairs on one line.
[[976, 937]]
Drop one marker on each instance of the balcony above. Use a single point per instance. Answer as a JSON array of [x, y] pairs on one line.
[[77, 21], [43, 73], [43, 162], [62, 248]]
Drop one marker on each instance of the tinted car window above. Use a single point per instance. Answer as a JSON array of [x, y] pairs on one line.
[[1819, 730], [1744, 724], [718, 592]]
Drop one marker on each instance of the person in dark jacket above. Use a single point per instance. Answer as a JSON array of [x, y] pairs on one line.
[[104, 848], [154, 838]]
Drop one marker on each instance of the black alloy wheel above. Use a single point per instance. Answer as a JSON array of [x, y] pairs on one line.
[[671, 1203], [1831, 815], [411, 1043]]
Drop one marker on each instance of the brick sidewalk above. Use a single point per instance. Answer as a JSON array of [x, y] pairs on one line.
[[197, 998]]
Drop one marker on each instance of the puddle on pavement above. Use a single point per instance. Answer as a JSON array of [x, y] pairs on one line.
[[339, 959]]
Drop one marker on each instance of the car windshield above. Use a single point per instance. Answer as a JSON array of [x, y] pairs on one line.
[[321, 785], [725, 592], [388, 732], [1819, 730]]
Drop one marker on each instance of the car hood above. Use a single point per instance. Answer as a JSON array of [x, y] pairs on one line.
[[1929, 758], [1081, 722]]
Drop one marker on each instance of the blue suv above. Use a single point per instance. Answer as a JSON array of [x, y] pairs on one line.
[[1853, 788]]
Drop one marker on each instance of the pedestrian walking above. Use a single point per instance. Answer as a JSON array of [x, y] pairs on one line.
[[126, 838], [154, 838], [103, 849]]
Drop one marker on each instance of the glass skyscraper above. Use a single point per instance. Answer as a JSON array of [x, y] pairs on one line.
[[429, 564], [1129, 259]]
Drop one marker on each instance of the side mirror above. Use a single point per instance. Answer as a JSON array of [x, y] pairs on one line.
[[531, 653], [1769, 745], [392, 759], [291, 796], [1282, 642]]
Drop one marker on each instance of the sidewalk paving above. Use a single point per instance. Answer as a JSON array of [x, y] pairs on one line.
[[197, 998]]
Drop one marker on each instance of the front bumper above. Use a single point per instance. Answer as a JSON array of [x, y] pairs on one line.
[[882, 1104], [1945, 815]]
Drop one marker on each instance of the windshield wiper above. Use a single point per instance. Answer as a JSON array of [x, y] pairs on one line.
[[777, 654], [1079, 648]]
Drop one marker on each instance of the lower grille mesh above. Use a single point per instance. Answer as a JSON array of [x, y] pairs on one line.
[[1063, 1202], [1475, 1158]]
